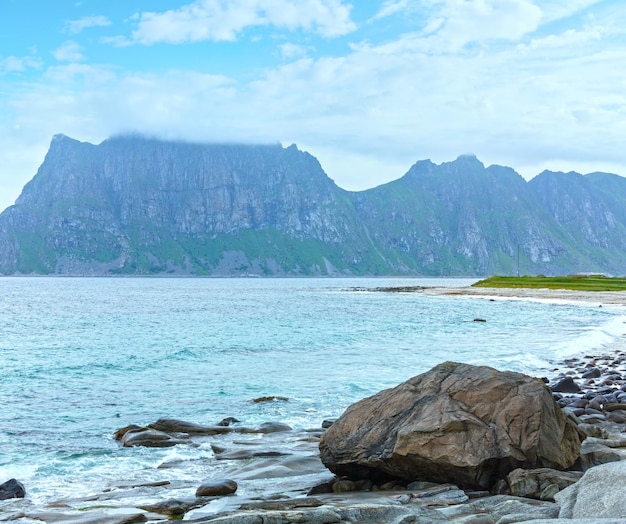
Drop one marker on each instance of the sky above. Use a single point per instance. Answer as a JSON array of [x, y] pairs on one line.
[[367, 87]]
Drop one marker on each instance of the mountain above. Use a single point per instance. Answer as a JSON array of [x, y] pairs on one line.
[[134, 205]]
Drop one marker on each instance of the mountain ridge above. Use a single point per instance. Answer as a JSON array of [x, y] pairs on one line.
[[140, 205]]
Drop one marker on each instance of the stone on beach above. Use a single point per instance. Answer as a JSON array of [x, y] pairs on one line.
[[469, 425], [600, 493]]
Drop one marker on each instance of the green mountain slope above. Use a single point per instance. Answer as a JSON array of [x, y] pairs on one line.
[[133, 205]]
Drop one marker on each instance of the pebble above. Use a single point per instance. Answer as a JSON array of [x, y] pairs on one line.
[[593, 388]]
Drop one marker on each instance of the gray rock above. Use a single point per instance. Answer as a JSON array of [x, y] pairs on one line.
[[215, 488], [499, 506], [170, 425], [12, 489], [566, 385], [149, 438], [172, 507], [575, 521], [600, 493], [594, 452], [592, 373], [537, 483], [475, 519]]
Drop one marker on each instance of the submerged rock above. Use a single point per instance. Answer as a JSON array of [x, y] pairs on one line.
[[456, 423]]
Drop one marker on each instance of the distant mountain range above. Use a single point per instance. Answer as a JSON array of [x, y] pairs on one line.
[[134, 205]]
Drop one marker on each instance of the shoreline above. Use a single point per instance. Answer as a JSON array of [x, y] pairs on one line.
[[303, 440], [557, 296]]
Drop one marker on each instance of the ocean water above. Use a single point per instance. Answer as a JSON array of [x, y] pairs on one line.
[[82, 357]]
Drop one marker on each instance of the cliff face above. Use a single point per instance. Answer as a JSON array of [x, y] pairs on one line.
[[462, 218], [133, 205]]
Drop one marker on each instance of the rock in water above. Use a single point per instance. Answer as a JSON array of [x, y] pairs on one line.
[[216, 488], [456, 423], [12, 489]]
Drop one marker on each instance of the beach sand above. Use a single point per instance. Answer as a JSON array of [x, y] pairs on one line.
[[612, 298]]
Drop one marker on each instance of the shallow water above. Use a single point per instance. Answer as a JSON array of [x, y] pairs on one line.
[[82, 357]]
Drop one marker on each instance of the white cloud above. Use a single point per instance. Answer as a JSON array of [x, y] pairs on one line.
[[289, 51], [69, 51], [13, 64], [559, 9], [392, 7], [526, 99], [224, 20], [77, 26], [462, 22]]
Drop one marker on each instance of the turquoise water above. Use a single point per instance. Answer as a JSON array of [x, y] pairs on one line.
[[82, 357]]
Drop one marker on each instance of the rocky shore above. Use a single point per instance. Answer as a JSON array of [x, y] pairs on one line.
[[273, 474], [459, 444]]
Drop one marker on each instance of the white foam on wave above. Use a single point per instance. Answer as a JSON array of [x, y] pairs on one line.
[[594, 339]]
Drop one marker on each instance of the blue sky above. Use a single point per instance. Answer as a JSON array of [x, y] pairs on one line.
[[368, 87]]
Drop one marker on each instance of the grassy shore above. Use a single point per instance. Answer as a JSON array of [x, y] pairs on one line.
[[572, 282]]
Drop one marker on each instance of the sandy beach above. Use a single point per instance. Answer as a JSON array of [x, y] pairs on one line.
[[613, 298]]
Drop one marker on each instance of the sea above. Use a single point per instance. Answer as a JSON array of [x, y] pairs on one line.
[[82, 357]]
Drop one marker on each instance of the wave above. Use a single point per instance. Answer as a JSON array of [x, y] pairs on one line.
[[595, 338]]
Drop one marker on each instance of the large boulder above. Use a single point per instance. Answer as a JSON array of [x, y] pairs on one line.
[[456, 423]]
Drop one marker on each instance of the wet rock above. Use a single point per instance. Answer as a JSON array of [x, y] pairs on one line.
[[281, 467], [270, 398], [274, 427], [244, 454], [268, 427], [566, 385], [216, 488], [170, 425], [228, 421], [149, 438], [12, 489], [456, 423], [592, 373]]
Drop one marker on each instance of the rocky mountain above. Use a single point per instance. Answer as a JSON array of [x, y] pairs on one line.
[[134, 205]]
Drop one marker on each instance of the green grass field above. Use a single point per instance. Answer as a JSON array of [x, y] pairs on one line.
[[573, 282]]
